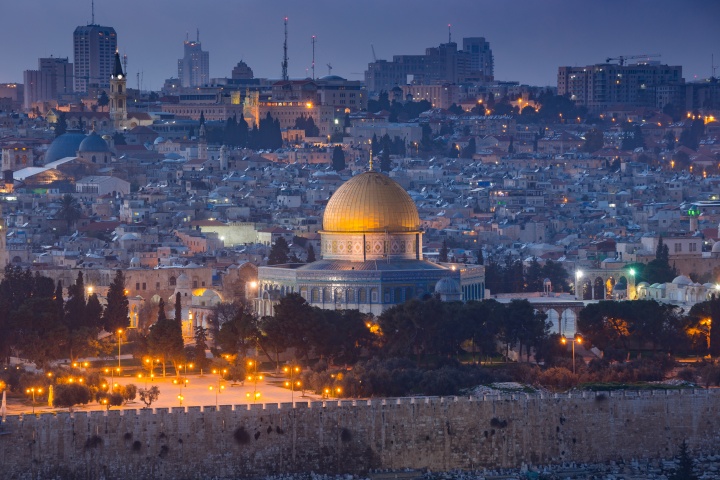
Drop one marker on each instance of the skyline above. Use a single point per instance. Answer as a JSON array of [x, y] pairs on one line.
[[152, 36]]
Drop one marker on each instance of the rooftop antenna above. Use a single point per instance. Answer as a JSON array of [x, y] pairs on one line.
[[138, 81], [187, 36], [198, 35], [93, 12], [712, 66], [313, 60], [285, 56], [329, 65], [449, 33]]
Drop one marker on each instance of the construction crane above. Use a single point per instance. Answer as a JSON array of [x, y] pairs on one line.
[[621, 59]]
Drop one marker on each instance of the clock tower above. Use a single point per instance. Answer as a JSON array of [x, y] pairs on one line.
[[118, 95]]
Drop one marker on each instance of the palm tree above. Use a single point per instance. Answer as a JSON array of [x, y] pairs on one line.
[[70, 210]]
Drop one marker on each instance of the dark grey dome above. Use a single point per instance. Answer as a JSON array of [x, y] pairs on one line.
[[66, 145], [94, 143], [448, 286]]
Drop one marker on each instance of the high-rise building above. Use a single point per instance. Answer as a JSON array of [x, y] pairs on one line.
[[482, 63], [94, 47], [441, 64], [194, 67], [605, 85], [53, 77]]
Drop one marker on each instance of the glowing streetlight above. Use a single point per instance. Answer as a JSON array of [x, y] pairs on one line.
[[575, 339], [119, 334], [33, 390], [292, 370], [219, 389]]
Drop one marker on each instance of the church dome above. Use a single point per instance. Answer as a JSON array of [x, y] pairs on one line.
[[371, 202], [716, 247], [66, 145], [93, 143]]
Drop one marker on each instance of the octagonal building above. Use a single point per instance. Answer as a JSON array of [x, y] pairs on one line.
[[371, 255]]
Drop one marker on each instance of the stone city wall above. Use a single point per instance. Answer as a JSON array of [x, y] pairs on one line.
[[354, 436]]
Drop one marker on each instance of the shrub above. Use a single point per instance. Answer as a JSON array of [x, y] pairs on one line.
[[686, 374], [70, 394], [129, 392], [557, 378], [149, 395], [235, 373], [114, 399]]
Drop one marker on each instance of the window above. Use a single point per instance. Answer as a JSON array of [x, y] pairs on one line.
[[144, 286], [678, 247], [693, 247], [137, 286]]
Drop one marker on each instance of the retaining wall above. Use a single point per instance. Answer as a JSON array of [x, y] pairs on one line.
[[354, 436]]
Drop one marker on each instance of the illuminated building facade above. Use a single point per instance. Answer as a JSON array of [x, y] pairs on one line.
[[371, 249]]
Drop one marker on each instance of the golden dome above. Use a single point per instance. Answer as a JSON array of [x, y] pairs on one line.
[[370, 202]]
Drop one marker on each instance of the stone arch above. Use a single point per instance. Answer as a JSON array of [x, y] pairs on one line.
[[554, 318], [619, 291], [17, 259], [586, 289], [599, 288], [568, 323]]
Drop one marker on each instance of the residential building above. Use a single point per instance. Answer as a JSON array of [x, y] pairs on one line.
[[604, 85]]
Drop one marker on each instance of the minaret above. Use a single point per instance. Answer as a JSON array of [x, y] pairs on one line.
[[118, 95]]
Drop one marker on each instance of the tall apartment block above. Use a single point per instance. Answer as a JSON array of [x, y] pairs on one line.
[[53, 77], [605, 85], [94, 47], [194, 67], [441, 64]]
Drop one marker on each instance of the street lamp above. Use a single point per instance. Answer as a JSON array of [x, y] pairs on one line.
[[33, 390], [254, 378], [576, 338], [218, 389], [119, 334], [292, 370]]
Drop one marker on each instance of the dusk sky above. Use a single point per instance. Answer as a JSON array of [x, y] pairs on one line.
[[529, 38]]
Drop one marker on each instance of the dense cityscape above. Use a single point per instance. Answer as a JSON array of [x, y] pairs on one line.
[[429, 253]]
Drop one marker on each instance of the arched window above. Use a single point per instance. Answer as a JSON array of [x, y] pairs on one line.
[[172, 281], [315, 295]]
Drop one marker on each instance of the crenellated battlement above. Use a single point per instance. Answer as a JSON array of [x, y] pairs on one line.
[[353, 436]]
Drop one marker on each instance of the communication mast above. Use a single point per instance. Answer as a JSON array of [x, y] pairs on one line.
[[285, 56], [313, 59]]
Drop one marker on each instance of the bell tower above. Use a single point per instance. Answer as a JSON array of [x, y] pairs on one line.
[[118, 95]]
